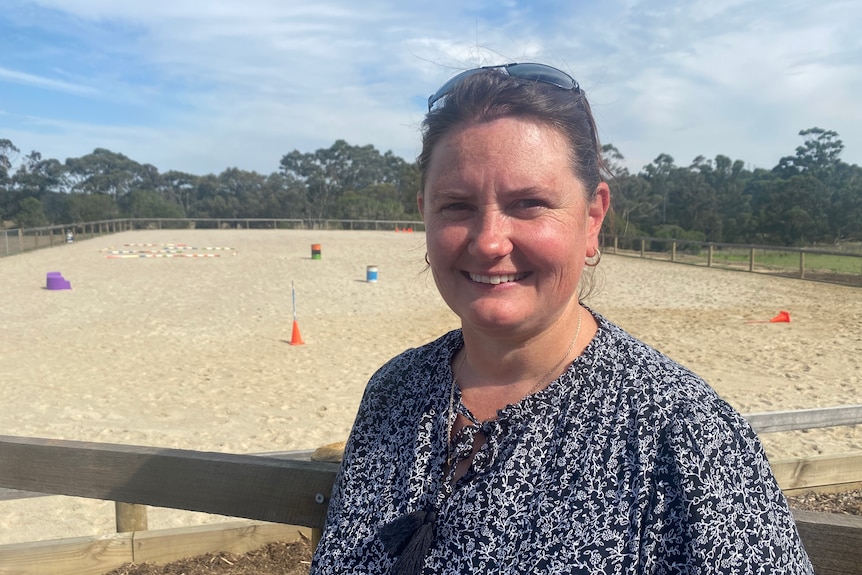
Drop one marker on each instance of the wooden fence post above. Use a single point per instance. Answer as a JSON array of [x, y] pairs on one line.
[[331, 453], [709, 256], [802, 264], [643, 247], [751, 260], [130, 517]]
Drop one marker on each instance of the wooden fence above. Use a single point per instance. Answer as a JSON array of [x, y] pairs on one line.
[[833, 266], [19, 240], [836, 265], [278, 489]]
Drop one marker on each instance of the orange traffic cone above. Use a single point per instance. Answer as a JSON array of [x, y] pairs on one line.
[[782, 317], [296, 338]]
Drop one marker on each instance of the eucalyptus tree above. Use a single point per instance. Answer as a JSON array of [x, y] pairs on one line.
[[30, 214], [43, 180], [36, 176], [284, 197], [819, 193], [845, 211], [818, 156], [633, 204], [105, 172], [658, 174], [91, 207], [142, 203], [8, 153], [178, 187], [328, 173], [796, 211], [374, 202]]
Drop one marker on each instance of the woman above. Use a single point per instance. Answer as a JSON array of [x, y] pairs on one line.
[[540, 438]]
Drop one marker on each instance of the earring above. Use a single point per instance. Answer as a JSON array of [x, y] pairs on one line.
[[593, 260]]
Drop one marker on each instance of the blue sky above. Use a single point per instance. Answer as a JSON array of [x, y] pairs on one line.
[[203, 85]]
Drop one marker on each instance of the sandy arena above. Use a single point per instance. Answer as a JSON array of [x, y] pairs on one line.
[[195, 353]]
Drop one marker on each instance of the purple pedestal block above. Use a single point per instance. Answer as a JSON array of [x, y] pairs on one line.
[[56, 281]]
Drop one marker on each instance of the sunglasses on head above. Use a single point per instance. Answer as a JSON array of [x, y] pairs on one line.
[[523, 71]]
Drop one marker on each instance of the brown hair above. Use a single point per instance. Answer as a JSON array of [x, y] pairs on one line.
[[492, 94]]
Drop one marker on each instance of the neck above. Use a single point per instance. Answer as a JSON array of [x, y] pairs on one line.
[[492, 373]]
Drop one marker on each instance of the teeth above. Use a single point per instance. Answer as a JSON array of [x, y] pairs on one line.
[[499, 279]]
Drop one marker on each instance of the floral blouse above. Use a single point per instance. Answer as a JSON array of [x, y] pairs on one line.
[[627, 463]]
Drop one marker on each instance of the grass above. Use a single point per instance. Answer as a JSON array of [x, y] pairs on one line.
[[837, 264]]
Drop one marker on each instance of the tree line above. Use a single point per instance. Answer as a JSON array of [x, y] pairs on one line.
[[810, 197]]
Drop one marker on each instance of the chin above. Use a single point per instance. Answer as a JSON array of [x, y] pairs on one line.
[[493, 320]]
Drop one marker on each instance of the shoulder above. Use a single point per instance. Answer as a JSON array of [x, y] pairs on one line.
[[643, 369], [416, 362], [665, 395], [413, 374]]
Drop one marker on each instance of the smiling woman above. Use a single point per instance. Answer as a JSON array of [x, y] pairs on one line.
[[539, 437], [509, 226]]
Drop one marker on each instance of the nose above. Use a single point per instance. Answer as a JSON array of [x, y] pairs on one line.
[[491, 235]]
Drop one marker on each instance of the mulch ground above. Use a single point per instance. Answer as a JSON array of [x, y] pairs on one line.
[[294, 558], [273, 559]]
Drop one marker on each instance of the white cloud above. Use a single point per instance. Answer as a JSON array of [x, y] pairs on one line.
[[737, 78], [46, 83], [241, 83]]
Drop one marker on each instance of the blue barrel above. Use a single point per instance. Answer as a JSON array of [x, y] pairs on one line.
[[371, 274]]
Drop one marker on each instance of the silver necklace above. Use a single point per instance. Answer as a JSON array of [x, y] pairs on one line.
[[534, 389], [538, 386]]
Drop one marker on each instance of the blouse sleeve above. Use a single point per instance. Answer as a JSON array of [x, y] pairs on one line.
[[350, 496], [716, 507], [382, 469]]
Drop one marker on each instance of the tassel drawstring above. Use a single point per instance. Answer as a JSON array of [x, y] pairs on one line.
[[409, 537]]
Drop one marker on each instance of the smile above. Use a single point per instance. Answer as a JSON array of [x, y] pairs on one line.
[[497, 279]]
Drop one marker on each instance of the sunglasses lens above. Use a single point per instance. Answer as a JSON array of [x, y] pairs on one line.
[[451, 83], [527, 71], [542, 73]]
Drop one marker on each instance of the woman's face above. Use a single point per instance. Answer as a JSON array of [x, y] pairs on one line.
[[508, 225]]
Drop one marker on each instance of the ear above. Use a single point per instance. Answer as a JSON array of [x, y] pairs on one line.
[[596, 212], [420, 201]]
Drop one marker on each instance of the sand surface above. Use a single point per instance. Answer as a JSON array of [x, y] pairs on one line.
[[195, 353]]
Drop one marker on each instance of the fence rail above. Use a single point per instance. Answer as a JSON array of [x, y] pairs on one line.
[[280, 488], [802, 419], [16, 241], [834, 266]]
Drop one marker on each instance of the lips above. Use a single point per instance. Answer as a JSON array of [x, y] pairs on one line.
[[497, 279]]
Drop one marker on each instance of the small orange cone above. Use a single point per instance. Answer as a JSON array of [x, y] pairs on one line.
[[296, 338], [782, 317]]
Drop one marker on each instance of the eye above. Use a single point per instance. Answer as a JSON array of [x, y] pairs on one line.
[[455, 206], [455, 211], [529, 205]]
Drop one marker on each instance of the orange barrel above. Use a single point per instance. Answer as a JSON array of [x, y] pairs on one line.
[[315, 251]]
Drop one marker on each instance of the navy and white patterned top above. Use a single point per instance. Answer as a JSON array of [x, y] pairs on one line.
[[627, 463]]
